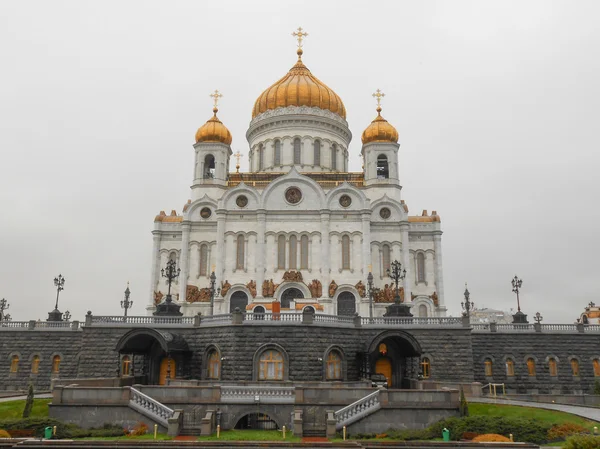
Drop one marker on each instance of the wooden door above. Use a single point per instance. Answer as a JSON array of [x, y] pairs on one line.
[[164, 365], [384, 366]]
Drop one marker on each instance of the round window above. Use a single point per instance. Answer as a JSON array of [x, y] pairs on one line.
[[205, 212], [385, 213], [293, 195], [241, 201], [345, 201]]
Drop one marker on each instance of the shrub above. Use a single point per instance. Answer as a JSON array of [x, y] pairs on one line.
[[410, 434], [582, 442], [491, 437], [63, 430], [562, 431], [469, 435], [4, 434], [139, 429]]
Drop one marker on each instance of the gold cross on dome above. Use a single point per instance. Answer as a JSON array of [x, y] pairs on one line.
[[299, 34], [378, 95], [215, 96], [237, 155]]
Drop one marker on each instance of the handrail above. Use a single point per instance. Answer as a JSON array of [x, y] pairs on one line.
[[150, 407], [357, 410]]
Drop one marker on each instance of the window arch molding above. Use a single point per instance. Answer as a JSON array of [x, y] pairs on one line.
[[15, 360], [551, 356], [206, 361], [270, 347], [575, 365], [420, 267], [425, 359], [344, 365], [595, 365], [527, 367], [61, 361]]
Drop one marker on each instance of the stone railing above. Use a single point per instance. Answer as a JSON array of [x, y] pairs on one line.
[[273, 317], [149, 407], [535, 327], [357, 410], [119, 320], [257, 395], [335, 319], [413, 321], [40, 325]]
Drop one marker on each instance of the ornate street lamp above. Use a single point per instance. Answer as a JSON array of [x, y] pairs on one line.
[[4, 305], [519, 317], [467, 305], [67, 316], [370, 292], [538, 317], [397, 274], [7, 317], [168, 307], [126, 304], [213, 279], [59, 283]]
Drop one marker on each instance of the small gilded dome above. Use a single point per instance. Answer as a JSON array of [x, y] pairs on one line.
[[213, 131], [299, 87], [379, 131]]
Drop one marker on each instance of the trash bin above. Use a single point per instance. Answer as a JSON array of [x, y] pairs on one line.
[[48, 433], [446, 434]]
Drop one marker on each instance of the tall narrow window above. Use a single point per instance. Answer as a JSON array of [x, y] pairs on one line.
[[126, 365], [293, 252], [277, 156], [425, 368], [488, 367], [552, 367], [334, 157], [531, 367], [575, 367], [56, 364], [14, 364], [383, 171], [203, 260], [240, 252], [209, 166], [296, 151], [334, 366], [596, 364], [261, 157], [345, 252], [510, 367], [317, 148], [281, 252], [385, 254], [271, 366], [421, 267], [304, 252], [214, 365], [422, 311]]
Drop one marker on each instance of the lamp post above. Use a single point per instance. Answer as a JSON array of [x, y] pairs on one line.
[[59, 283], [396, 274], [67, 316], [126, 304], [467, 305], [168, 307], [3, 306], [519, 317], [538, 317], [213, 279], [370, 287]]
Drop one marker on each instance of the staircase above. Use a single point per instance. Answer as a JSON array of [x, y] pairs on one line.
[[150, 408], [357, 410]]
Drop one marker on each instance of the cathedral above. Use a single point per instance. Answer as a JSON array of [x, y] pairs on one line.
[[298, 229]]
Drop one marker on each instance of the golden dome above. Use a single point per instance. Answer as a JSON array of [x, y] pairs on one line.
[[299, 87], [379, 130], [213, 131]]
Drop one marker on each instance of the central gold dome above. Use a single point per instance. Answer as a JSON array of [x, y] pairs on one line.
[[299, 87]]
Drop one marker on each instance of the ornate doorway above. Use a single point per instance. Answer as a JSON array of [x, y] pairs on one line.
[[346, 304], [289, 295], [238, 300], [383, 365], [167, 368]]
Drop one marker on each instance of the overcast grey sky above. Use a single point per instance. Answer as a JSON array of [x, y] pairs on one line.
[[496, 104]]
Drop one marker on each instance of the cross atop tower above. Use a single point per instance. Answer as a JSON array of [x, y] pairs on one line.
[[215, 96], [299, 34], [237, 155], [378, 95]]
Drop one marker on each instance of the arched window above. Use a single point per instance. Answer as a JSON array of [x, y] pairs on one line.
[[383, 171], [35, 364], [596, 364], [214, 365], [240, 252], [296, 151], [345, 252], [385, 255], [575, 367], [14, 364], [209, 166], [203, 260], [56, 364], [425, 368], [531, 367], [261, 157], [126, 365], [334, 366], [270, 365], [334, 157], [277, 156], [552, 367], [281, 252], [293, 252], [173, 256], [487, 363], [423, 311], [421, 267], [510, 367], [304, 252], [317, 148]]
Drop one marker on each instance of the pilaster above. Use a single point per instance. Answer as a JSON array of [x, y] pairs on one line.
[[404, 227], [438, 267], [261, 217], [184, 259], [325, 267], [155, 265]]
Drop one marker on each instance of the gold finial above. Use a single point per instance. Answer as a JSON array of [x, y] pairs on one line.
[[237, 155], [215, 96], [299, 34], [378, 95]]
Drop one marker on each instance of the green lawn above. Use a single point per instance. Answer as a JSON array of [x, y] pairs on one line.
[[148, 436], [252, 435], [14, 409]]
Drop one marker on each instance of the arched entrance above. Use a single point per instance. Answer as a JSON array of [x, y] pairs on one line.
[[346, 304], [239, 300], [288, 295], [396, 355], [383, 365], [168, 368], [260, 421]]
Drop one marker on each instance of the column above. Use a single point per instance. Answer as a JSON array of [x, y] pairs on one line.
[[439, 272], [366, 245], [406, 265], [325, 259], [260, 255], [184, 260], [220, 249], [155, 264]]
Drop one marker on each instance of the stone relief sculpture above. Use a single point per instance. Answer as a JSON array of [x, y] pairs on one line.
[[434, 298], [332, 288], [292, 276], [362, 290], [316, 288], [269, 288], [225, 286], [158, 296], [252, 287], [194, 294]]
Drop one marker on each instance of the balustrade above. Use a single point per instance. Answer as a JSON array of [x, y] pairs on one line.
[[257, 394], [150, 407], [357, 410]]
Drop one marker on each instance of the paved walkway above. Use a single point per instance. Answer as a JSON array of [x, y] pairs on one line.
[[19, 398], [585, 412]]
